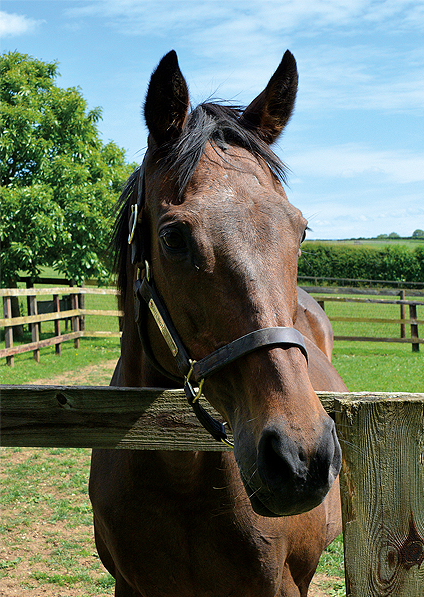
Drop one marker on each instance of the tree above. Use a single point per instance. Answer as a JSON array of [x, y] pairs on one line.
[[418, 233], [59, 181]]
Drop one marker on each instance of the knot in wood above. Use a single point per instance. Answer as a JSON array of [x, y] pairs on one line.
[[412, 550], [63, 401]]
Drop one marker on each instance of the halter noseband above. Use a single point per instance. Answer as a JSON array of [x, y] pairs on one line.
[[146, 296]]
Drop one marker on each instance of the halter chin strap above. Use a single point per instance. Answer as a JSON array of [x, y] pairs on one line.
[[198, 371]]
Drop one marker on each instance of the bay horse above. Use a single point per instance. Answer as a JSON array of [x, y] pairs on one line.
[[207, 247]]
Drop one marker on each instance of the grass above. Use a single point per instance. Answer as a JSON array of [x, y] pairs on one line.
[[46, 524], [92, 352], [376, 243], [379, 368], [375, 366]]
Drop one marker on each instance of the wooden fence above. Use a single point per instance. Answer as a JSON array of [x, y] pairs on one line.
[[402, 321], [360, 282], [76, 314], [34, 319], [382, 478]]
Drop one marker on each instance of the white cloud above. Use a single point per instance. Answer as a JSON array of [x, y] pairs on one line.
[[336, 42], [350, 160], [267, 15], [12, 24]]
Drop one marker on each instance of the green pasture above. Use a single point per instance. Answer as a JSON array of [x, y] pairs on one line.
[[372, 366], [45, 491], [375, 366], [92, 351], [373, 243]]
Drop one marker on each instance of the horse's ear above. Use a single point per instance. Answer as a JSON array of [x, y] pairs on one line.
[[269, 113], [167, 100]]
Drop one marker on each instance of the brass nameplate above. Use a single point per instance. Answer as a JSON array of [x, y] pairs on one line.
[[163, 329]]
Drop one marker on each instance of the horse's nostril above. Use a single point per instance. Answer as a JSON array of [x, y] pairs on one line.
[[280, 462]]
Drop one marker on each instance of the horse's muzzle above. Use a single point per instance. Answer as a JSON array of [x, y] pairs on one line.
[[290, 480]]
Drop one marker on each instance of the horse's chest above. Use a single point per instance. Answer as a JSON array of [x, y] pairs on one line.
[[198, 544]]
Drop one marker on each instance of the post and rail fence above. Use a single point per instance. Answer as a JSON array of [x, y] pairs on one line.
[[402, 321], [72, 301], [382, 477], [382, 439], [71, 297]]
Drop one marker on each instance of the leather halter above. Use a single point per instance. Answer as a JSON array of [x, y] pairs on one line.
[[146, 296]]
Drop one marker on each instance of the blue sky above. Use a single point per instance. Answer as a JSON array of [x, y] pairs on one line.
[[355, 143]]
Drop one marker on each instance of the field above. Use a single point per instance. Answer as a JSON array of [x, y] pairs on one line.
[[46, 527], [376, 243]]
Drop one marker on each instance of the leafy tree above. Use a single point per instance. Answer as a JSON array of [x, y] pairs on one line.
[[59, 181], [418, 233]]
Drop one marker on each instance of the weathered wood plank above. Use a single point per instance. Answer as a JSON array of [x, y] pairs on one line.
[[54, 315], [100, 334], [364, 290], [40, 317], [4, 352], [382, 485], [374, 339], [345, 299], [8, 331], [56, 290], [100, 417], [107, 312], [378, 320], [136, 418]]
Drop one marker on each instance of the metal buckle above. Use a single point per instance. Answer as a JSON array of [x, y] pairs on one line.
[[133, 222], [195, 395]]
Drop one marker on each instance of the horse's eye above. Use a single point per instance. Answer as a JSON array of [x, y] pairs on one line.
[[173, 239]]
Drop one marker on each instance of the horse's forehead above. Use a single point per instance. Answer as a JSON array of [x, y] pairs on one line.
[[237, 181], [234, 168]]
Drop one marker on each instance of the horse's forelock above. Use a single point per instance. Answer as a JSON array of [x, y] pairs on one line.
[[219, 125]]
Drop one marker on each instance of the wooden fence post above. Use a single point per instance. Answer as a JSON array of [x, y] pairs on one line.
[[414, 327], [8, 330], [402, 314], [56, 307], [35, 327], [382, 494], [81, 304], [76, 319]]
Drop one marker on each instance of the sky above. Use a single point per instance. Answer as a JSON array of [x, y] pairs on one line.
[[354, 145]]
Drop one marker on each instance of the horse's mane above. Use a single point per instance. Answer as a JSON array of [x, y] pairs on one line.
[[213, 123]]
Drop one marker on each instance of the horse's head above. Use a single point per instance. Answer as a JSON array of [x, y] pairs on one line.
[[223, 242]]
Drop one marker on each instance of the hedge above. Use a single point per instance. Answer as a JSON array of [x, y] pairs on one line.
[[396, 262]]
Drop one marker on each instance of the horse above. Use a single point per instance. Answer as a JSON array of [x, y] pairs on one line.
[[312, 322], [207, 249]]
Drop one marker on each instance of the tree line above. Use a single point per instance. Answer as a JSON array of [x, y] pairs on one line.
[[393, 262]]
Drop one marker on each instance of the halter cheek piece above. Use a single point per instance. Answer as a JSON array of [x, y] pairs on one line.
[[146, 297]]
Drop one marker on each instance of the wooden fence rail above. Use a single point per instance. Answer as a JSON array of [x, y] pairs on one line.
[[70, 296], [360, 282], [382, 478], [402, 321], [76, 314]]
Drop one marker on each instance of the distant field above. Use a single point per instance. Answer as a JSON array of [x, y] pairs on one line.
[[376, 243]]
